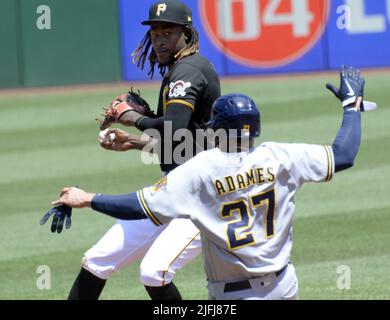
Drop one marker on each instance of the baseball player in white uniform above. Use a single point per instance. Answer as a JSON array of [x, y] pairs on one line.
[[241, 199], [189, 86]]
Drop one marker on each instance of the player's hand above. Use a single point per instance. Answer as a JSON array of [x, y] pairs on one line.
[[74, 197], [351, 86], [122, 141]]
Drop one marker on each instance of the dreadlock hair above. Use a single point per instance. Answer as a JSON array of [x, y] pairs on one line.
[[140, 54]]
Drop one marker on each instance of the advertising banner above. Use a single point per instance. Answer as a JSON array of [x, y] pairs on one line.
[[274, 36]]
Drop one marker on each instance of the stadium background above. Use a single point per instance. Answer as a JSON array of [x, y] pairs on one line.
[[48, 133]]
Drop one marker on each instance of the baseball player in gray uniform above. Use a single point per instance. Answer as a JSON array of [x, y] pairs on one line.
[[241, 198]]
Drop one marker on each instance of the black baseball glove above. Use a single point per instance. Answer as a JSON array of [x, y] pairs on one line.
[[60, 214], [351, 86]]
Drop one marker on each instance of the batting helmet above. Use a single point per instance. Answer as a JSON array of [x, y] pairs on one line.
[[236, 111]]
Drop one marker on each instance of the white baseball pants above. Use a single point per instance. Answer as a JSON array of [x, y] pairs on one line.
[[165, 249], [269, 287]]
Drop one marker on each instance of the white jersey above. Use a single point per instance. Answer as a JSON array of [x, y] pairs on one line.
[[243, 203]]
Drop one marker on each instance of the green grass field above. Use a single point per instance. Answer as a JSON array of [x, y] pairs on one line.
[[48, 140]]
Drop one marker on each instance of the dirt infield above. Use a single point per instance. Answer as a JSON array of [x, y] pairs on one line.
[[120, 86]]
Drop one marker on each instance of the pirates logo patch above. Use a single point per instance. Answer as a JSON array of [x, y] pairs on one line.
[[178, 89]]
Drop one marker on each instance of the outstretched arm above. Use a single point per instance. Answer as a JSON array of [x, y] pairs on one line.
[[124, 207], [347, 141], [346, 144]]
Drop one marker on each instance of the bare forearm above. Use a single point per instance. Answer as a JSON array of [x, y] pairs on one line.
[[88, 199], [143, 141], [75, 198], [129, 118]]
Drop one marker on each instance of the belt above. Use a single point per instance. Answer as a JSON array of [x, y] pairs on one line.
[[245, 284]]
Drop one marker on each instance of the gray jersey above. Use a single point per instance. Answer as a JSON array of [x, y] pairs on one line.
[[243, 203]]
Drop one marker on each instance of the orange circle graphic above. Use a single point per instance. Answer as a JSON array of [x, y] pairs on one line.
[[274, 39]]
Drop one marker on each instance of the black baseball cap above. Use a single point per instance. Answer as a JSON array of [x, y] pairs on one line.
[[172, 11]]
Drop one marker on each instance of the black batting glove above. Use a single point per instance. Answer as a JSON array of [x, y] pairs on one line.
[[60, 214], [351, 86]]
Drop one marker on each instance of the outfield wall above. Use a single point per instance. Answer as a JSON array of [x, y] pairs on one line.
[[58, 42], [91, 41], [9, 71], [272, 36]]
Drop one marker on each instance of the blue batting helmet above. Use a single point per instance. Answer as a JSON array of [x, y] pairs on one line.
[[236, 111]]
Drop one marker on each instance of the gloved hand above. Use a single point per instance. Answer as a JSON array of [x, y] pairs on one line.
[[60, 214], [351, 86], [131, 101]]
